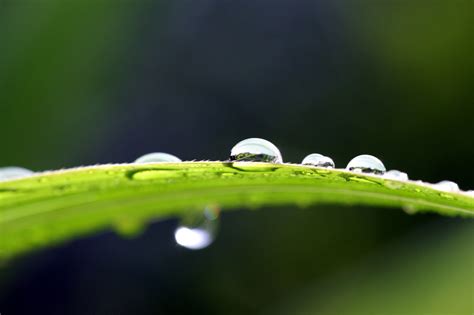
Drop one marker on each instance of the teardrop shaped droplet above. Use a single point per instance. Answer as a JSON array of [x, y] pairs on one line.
[[14, 172], [446, 185], [319, 160], [397, 175], [158, 157], [198, 231], [366, 164], [256, 150]]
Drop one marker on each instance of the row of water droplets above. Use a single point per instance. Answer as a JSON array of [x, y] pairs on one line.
[[199, 230], [202, 232]]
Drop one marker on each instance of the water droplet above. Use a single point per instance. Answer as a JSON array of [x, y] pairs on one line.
[[318, 160], [256, 150], [397, 175], [446, 185], [198, 231], [366, 164], [158, 157], [13, 172], [410, 209]]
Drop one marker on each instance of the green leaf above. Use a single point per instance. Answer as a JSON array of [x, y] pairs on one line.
[[52, 207]]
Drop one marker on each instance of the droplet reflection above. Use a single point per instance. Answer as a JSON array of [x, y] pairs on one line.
[[198, 231], [256, 150], [319, 160], [193, 238], [397, 175], [158, 157], [366, 164], [13, 172], [446, 185]]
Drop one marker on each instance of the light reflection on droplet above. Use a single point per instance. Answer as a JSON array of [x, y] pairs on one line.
[[13, 172], [319, 160], [198, 231], [446, 185], [366, 164], [256, 150], [158, 157], [397, 175], [193, 238]]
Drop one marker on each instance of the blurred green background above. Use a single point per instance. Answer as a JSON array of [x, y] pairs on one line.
[[85, 82]]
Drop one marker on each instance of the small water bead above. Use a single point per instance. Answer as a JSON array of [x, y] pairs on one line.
[[397, 175], [319, 160], [158, 157], [198, 231], [366, 164], [256, 150], [13, 172], [446, 185]]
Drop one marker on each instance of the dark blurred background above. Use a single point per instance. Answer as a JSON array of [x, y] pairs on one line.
[[85, 82]]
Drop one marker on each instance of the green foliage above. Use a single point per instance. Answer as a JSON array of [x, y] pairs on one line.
[[55, 206]]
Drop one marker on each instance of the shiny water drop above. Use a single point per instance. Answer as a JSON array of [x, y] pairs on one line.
[[198, 231], [366, 164], [446, 185], [397, 175], [158, 157], [256, 150], [319, 160], [13, 172]]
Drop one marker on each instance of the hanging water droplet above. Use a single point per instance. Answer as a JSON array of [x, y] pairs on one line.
[[13, 172], [158, 157], [397, 175], [366, 164], [198, 231], [319, 160], [256, 150], [409, 209], [446, 185]]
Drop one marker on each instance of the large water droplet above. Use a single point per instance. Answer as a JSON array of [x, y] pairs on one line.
[[198, 231], [397, 175], [13, 172], [158, 157], [319, 160], [446, 185], [256, 150], [366, 164]]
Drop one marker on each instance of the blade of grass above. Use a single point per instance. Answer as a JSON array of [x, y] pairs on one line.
[[51, 207]]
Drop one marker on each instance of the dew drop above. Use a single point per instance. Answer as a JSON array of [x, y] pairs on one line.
[[410, 209], [366, 164], [446, 185], [319, 160], [158, 157], [256, 150], [396, 175], [198, 231], [13, 172]]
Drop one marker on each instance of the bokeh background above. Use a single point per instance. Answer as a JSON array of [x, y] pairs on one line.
[[105, 81]]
